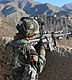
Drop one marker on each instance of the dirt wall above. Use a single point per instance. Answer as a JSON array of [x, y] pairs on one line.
[[58, 65]]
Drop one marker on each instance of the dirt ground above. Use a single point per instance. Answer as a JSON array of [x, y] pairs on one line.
[[66, 43]]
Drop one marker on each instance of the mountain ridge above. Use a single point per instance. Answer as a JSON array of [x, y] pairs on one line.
[[31, 7], [67, 6], [13, 10]]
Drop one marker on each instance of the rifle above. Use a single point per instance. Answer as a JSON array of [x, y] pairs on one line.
[[49, 38], [46, 37]]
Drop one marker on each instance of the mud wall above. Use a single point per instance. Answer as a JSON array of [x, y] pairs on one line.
[[58, 65]]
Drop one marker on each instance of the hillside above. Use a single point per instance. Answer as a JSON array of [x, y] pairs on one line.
[[29, 7], [12, 10], [67, 6], [7, 27]]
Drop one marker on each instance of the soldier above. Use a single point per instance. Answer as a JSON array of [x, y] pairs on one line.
[[28, 59]]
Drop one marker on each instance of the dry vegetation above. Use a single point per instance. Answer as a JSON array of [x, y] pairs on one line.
[[65, 42], [7, 27]]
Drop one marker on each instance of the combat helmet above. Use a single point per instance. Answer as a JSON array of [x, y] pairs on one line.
[[27, 27]]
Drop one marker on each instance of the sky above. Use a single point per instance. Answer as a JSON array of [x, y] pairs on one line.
[[59, 3]]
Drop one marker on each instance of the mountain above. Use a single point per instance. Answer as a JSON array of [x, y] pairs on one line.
[[41, 9], [12, 10], [29, 7], [67, 7], [5, 1]]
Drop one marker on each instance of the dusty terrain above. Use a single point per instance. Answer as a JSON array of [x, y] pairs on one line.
[[58, 66], [65, 42]]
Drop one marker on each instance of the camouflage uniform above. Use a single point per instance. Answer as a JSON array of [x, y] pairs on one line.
[[23, 61], [26, 67]]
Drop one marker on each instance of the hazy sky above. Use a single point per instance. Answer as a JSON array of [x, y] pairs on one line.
[[59, 3]]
